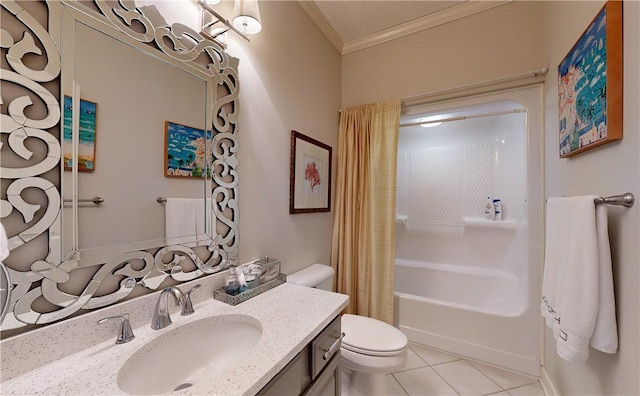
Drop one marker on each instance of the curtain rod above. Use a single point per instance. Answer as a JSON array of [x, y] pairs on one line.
[[460, 118], [482, 87], [514, 81]]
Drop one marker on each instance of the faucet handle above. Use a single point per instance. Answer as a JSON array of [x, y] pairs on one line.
[[187, 308], [125, 334]]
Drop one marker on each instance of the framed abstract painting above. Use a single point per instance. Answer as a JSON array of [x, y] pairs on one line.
[[310, 175], [186, 151], [590, 85], [86, 136]]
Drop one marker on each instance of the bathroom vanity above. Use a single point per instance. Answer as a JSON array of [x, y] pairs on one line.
[[314, 371], [292, 320]]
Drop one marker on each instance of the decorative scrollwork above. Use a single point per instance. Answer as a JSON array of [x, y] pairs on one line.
[[46, 276]]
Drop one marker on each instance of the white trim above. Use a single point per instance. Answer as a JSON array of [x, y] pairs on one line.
[[318, 17], [426, 22], [499, 358], [547, 385]]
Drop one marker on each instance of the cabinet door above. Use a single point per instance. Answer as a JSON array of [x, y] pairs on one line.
[[291, 380], [328, 382]]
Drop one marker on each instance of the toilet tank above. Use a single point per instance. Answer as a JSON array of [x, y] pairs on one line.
[[319, 276]]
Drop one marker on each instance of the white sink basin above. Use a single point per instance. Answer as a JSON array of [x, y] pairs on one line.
[[188, 354]]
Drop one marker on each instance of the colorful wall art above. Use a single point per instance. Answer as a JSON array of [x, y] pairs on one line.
[[186, 151], [590, 85], [87, 135]]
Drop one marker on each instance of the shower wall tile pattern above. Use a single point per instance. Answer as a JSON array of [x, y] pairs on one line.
[[436, 188]]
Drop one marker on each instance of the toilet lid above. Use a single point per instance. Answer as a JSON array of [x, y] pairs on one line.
[[371, 336]]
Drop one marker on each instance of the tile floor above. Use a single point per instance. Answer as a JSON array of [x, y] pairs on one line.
[[429, 372]]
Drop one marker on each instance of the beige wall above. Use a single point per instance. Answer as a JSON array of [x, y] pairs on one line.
[[289, 79], [508, 40], [610, 169], [504, 41]]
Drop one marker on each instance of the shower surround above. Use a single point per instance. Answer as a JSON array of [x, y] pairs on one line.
[[463, 283]]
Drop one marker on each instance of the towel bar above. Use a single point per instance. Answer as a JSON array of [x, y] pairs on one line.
[[621, 200], [161, 200], [95, 200]]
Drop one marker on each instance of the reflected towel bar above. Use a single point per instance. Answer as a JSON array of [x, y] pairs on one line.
[[95, 200], [161, 200], [621, 200]]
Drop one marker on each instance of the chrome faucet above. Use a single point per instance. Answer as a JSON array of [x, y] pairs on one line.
[[125, 334], [161, 317], [187, 308]]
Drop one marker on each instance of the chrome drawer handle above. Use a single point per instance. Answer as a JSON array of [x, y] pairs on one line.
[[332, 349]]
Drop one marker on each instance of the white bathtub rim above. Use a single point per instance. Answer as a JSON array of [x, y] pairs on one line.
[[519, 312], [464, 269]]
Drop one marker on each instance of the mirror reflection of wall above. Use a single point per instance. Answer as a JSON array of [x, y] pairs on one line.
[[135, 95]]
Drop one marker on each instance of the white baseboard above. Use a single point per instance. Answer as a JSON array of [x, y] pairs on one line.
[[504, 359], [547, 385]]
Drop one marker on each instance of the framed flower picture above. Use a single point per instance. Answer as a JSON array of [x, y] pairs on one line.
[[310, 176]]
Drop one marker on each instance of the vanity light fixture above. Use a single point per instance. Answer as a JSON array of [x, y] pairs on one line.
[[247, 16], [215, 26]]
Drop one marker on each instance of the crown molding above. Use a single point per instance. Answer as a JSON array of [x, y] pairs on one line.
[[324, 25], [426, 22]]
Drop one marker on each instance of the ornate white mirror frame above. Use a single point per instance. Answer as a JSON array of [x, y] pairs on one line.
[[31, 202]]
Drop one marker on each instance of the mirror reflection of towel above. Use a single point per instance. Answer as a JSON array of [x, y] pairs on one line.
[[181, 217], [4, 244]]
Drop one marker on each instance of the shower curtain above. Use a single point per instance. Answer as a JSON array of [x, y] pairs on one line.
[[363, 241]]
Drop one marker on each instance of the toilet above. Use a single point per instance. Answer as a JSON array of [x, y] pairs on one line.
[[370, 347]]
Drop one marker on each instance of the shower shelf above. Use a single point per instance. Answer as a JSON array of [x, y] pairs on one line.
[[480, 222]]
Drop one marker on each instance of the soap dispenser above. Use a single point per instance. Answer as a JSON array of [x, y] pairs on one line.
[[231, 282]]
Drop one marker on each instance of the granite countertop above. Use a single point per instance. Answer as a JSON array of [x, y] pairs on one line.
[[290, 316]]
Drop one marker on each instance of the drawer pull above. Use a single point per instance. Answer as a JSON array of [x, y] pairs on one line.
[[332, 349]]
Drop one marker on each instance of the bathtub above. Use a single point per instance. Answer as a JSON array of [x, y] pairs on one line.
[[493, 292], [473, 312]]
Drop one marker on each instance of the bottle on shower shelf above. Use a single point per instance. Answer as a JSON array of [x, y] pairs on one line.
[[497, 210], [489, 209]]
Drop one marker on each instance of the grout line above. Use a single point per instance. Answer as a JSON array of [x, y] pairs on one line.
[[457, 359], [533, 380], [400, 383], [444, 379], [486, 375]]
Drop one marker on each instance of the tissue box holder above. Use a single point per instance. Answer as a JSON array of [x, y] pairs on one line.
[[220, 295], [270, 269]]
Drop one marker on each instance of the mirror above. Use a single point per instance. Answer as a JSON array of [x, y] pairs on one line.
[[124, 142], [141, 87]]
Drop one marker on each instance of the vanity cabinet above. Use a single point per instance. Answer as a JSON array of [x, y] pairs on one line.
[[315, 371]]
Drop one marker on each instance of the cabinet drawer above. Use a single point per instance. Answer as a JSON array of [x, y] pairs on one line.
[[325, 346]]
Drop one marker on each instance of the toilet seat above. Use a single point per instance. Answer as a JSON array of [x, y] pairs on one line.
[[371, 337]]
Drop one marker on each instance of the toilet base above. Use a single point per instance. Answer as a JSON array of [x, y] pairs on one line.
[[354, 383]]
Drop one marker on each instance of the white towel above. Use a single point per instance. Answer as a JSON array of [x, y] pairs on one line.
[[181, 217], [203, 216], [4, 244], [577, 290]]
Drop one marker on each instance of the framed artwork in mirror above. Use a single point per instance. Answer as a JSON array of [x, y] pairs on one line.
[[185, 151], [86, 136], [310, 175], [590, 85]]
